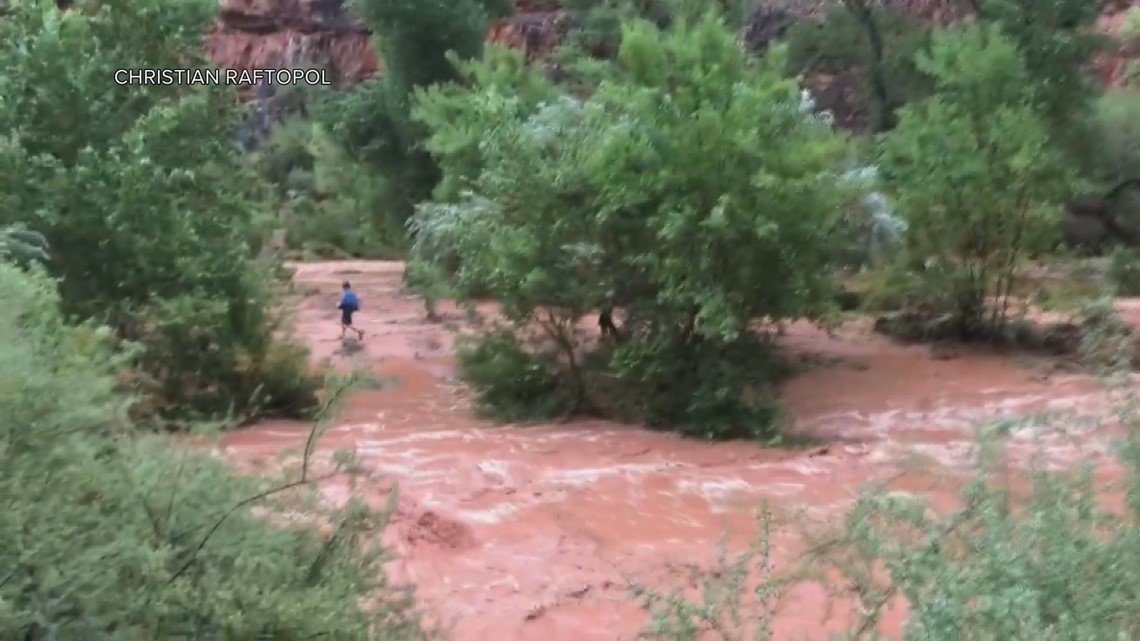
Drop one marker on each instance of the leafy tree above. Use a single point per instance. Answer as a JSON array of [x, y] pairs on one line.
[[597, 26], [373, 120], [873, 46], [975, 173], [149, 233], [689, 188], [1057, 40]]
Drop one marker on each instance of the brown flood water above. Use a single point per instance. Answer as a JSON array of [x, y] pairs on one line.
[[533, 533]]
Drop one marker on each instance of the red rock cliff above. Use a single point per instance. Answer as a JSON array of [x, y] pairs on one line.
[[265, 33]]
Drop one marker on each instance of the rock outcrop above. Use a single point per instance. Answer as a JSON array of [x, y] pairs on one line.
[[269, 33], [280, 33]]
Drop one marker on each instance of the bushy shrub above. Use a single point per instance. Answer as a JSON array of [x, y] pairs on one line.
[[512, 382], [150, 234], [1124, 271], [689, 190], [22, 246], [598, 25], [112, 535]]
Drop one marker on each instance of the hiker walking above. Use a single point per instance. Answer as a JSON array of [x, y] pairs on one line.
[[349, 304]]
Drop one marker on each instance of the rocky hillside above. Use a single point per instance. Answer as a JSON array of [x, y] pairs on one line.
[[270, 33], [265, 33]]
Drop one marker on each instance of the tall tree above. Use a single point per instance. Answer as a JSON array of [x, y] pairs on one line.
[[417, 41]]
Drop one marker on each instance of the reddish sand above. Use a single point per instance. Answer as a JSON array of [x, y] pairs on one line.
[[521, 533]]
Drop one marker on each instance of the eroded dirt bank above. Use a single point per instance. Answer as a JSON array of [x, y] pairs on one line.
[[529, 533]]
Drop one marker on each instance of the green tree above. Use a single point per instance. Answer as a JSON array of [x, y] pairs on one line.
[[150, 233], [975, 173], [689, 189], [373, 120], [1056, 40]]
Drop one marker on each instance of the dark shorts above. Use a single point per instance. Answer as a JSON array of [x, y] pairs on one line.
[[346, 317]]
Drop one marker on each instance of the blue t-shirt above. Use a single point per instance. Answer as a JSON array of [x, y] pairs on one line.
[[349, 302]]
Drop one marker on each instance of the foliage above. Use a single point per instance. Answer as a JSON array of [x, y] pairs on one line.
[[330, 204], [511, 382], [1061, 567], [724, 612], [839, 46], [111, 535], [149, 234], [1130, 27], [373, 119], [456, 132], [1117, 121], [22, 246], [870, 232], [451, 119], [1056, 40], [598, 27], [664, 193], [1124, 271], [974, 171]]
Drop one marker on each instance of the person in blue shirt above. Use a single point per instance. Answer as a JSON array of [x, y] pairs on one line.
[[349, 304]]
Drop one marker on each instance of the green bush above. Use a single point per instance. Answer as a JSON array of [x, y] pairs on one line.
[[1129, 29], [153, 236], [112, 535], [664, 193], [1130, 78], [22, 246], [1117, 116], [1124, 271], [511, 382]]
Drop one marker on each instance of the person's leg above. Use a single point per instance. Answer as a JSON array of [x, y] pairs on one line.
[[345, 322], [359, 333]]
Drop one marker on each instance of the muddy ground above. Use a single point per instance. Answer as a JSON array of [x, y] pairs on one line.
[[533, 533]]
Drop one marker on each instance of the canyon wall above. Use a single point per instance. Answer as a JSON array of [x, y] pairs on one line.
[[268, 33]]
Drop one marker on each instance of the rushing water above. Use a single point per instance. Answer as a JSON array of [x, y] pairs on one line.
[[519, 533]]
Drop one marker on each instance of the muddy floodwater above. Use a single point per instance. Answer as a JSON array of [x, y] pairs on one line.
[[534, 533]]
